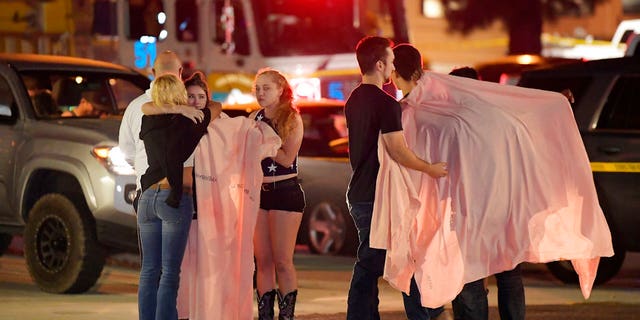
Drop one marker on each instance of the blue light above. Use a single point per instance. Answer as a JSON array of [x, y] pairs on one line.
[[336, 90], [144, 53]]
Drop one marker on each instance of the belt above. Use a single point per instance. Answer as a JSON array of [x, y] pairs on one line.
[[282, 184], [166, 186]]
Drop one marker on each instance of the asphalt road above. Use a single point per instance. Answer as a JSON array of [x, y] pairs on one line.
[[323, 285]]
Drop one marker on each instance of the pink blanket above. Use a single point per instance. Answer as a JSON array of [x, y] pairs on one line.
[[519, 189], [216, 281]]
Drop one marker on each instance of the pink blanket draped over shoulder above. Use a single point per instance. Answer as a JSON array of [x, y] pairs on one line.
[[216, 281], [520, 188]]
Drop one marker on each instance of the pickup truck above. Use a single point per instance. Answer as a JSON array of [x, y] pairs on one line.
[[64, 185], [591, 50], [606, 93]]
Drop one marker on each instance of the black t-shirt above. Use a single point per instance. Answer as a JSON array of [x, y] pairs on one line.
[[369, 112]]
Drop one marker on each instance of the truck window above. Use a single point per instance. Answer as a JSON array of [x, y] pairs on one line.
[[124, 92], [39, 89], [56, 94], [577, 84], [621, 110]]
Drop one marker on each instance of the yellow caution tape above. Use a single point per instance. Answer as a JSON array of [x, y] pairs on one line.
[[615, 166]]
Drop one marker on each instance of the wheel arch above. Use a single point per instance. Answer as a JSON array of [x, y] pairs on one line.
[[65, 176]]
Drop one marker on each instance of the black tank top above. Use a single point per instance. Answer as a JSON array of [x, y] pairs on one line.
[[269, 166]]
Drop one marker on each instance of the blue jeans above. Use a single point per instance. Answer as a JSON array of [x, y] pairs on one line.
[[163, 233], [472, 304], [362, 303], [413, 307], [511, 301]]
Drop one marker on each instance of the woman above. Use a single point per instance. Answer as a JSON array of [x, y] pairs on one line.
[[281, 199], [198, 94], [226, 158], [165, 208]]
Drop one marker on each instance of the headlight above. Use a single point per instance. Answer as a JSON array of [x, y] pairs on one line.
[[113, 159]]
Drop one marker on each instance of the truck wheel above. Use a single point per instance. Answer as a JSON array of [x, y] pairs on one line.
[[5, 241], [330, 230], [60, 246], [607, 269]]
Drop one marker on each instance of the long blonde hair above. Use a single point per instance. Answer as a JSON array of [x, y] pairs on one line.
[[168, 89], [285, 114]]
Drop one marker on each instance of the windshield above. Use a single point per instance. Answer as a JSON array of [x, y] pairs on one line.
[[309, 27], [80, 95]]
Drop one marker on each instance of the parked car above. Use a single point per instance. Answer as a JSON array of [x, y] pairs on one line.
[[324, 174], [64, 185], [606, 94]]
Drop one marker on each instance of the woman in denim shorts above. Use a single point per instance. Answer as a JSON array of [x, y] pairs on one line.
[[281, 199]]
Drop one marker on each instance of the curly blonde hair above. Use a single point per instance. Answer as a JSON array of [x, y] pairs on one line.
[[168, 89], [285, 116]]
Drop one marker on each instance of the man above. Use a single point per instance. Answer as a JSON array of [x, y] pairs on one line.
[[471, 303], [129, 141], [370, 112]]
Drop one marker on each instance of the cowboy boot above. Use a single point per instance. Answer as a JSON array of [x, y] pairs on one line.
[[265, 305], [287, 305]]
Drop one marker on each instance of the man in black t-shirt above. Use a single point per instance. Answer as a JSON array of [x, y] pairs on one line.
[[370, 112]]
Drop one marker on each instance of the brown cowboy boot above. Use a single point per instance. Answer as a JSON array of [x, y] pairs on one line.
[[265, 305], [287, 305]]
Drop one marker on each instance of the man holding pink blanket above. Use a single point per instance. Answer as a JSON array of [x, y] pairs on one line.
[[519, 189]]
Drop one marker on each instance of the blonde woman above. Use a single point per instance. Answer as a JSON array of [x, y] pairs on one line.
[[165, 207], [281, 199]]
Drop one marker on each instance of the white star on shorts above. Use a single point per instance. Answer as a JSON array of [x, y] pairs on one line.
[[272, 167]]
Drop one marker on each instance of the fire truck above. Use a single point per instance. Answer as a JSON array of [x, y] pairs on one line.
[[311, 41]]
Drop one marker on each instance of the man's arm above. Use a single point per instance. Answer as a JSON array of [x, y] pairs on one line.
[[126, 142], [195, 115], [397, 148]]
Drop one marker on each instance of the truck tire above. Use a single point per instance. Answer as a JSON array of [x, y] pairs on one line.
[[330, 231], [5, 241], [60, 246]]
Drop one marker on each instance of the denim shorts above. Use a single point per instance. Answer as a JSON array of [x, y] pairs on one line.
[[285, 195]]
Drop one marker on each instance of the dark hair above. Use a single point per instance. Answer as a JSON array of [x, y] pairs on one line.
[[198, 79], [408, 62], [370, 50], [466, 72]]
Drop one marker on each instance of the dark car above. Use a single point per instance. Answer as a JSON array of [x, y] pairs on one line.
[[64, 184], [324, 174], [607, 111], [507, 70]]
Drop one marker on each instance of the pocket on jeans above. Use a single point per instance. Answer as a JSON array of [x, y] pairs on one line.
[[176, 215]]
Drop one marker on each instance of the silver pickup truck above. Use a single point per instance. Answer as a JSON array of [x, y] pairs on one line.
[[64, 184]]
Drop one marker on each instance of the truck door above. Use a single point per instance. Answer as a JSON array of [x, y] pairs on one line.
[[9, 140], [614, 152]]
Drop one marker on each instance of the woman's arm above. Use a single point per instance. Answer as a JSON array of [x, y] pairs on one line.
[[195, 115], [290, 147]]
